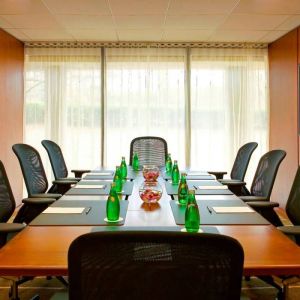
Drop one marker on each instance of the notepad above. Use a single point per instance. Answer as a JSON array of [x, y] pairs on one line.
[[99, 173], [212, 187], [63, 210], [230, 209], [90, 186], [93, 182]]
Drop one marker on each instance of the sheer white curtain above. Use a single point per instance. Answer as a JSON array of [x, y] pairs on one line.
[[229, 105], [145, 95], [62, 103]]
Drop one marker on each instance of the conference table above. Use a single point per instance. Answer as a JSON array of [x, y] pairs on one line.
[[41, 248]]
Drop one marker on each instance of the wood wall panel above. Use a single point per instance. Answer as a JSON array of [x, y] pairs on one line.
[[283, 59], [11, 106]]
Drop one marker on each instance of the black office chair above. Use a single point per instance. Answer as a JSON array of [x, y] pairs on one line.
[[27, 212], [264, 177], [240, 164], [154, 265], [31, 208], [58, 164], [151, 150], [34, 174], [266, 208]]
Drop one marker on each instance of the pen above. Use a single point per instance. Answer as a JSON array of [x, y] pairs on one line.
[[88, 210], [195, 187], [210, 211]]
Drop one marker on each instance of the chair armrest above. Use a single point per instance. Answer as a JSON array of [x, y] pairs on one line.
[[65, 181], [263, 204], [49, 195], [231, 182], [218, 174], [290, 230], [253, 198], [69, 178], [79, 173], [38, 201], [11, 227]]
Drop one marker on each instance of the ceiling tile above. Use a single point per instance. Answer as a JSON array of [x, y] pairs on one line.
[[138, 7], [194, 22], [85, 21], [93, 34], [139, 22], [186, 35], [31, 21], [80, 7], [272, 36], [188, 7], [140, 35], [48, 35], [17, 33], [5, 24], [237, 35], [290, 23], [253, 22], [22, 7], [268, 7]]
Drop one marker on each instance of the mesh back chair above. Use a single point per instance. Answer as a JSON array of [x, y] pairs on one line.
[[266, 208], [151, 150], [27, 212], [240, 164], [33, 172], [265, 176], [57, 161], [7, 207], [154, 265]]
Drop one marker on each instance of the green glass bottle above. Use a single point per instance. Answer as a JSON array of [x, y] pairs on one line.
[[183, 190], [175, 173], [192, 216], [135, 162], [113, 204], [169, 164], [123, 168], [118, 180]]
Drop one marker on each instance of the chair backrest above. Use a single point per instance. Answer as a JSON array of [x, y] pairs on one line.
[[56, 157], [293, 202], [154, 265], [242, 160], [7, 200], [151, 150], [32, 168], [266, 172]]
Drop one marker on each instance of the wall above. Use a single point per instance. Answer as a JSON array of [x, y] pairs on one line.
[[283, 59], [11, 106]]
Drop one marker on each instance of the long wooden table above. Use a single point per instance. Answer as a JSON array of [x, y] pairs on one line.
[[42, 250]]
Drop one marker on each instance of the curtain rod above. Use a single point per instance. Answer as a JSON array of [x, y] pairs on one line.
[[59, 44]]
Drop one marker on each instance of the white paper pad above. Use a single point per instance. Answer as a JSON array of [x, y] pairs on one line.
[[212, 187], [235, 209], [63, 210], [91, 181], [90, 186], [99, 173]]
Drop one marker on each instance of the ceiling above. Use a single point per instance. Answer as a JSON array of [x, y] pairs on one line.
[[149, 20]]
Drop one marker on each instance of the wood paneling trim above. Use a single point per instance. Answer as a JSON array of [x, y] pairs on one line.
[[283, 66], [11, 106]]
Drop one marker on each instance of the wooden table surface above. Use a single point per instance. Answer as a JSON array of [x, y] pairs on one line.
[[42, 250]]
